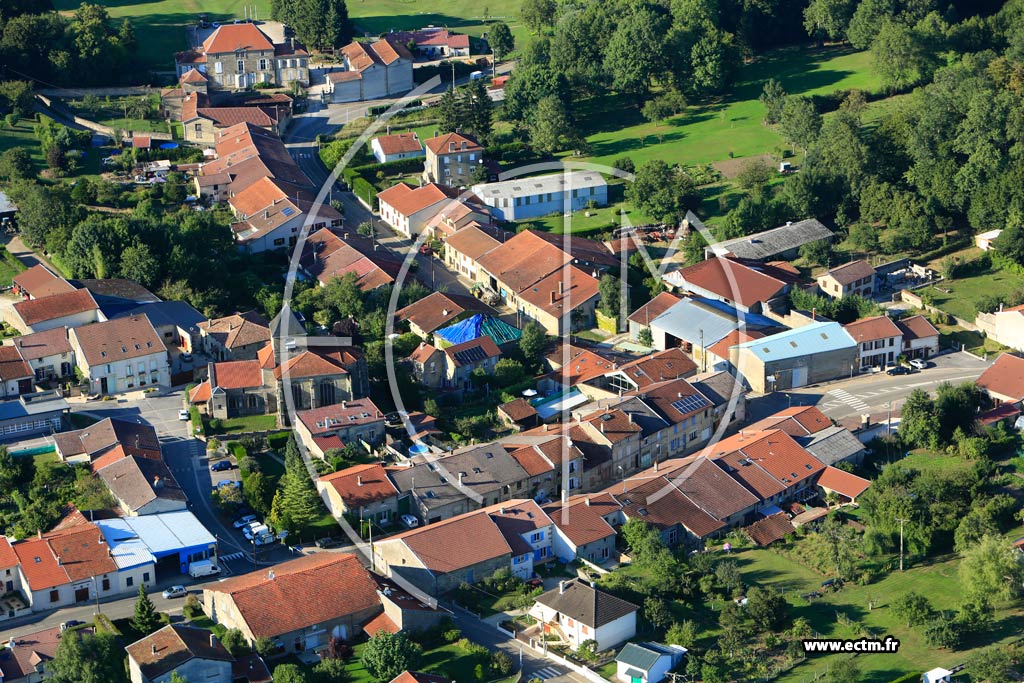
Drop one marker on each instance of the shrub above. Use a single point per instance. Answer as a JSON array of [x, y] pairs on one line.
[[501, 663], [192, 606], [452, 635]]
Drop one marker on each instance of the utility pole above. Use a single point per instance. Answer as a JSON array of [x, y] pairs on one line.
[[901, 521]]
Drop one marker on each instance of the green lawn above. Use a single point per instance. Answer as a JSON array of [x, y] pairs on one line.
[[448, 660], [732, 127], [160, 24], [959, 297], [23, 134], [249, 423], [9, 267], [929, 461]]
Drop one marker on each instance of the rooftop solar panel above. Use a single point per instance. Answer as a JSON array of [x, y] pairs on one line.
[[688, 404]]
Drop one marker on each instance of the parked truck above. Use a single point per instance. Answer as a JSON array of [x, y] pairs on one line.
[[203, 568]]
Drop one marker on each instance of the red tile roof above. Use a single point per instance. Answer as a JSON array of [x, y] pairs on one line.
[[532, 460], [916, 327], [455, 543], [399, 143], [519, 409], [39, 565], [8, 558], [120, 339], [233, 37], [872, 329], [307, 364], [39, 281], [406, 200], [767, 462], [473, 242], [577, 286], [843, 483], [238, 330], [298, 593], [614, 425], [173, 646], [655, 307], [659, 367], [795, 421], [772, 528], [193, 76], [583, 365], [487, 349], [361, 485], [238, 374], [30, 652], [381, 622], [41, 344], [722, 346], [417, 677], [849, 273], [1005, 377], [12, 365], [437, 309], [582, 518], [441, 144], [733, 281], [200, 393], [54, 306], [331, 418]]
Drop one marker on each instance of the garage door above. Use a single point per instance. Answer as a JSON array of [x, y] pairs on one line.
[[799, 377], [340, 631]]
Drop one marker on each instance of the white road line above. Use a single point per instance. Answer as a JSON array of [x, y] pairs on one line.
[[849, 399]]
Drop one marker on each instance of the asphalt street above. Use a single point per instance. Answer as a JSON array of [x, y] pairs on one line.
[[871, 393]]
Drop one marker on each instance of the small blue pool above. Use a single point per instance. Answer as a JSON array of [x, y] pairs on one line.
[[169, 145], [38, 450], [419, 449]]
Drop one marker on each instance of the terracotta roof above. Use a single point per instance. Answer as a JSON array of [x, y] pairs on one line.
[[722, 346], [250, 668], [361, 485], [519, 409], [583, 365], [581, 518], [849, 273], [731, 280], [381, 622], [308, 364], [872, 329], [232, 37], [139, 481], [327, 255], [193, 76], [96, 439], [334, 417], [82, 551], [441, 143], [237, 374], [423, 353], [200, 393], [916, 327], [399, 143], [8, 558], [39, 281], [593, 607], [12, 365], [407, 200], [843, 483], [417, 677], [266, 356], [1005, 377], [767, 462], [119, 339], [1001, 412], [614, 425], [42, 344], [223, 117], [238, 330], [54, 306], [298, 593], [437, 309], [532, 460], [455, 543], [660, 503], [709, 487], [578, 288], [361, 56], [473, 242], [172, 646], [772, 528], [523, 260], [795, 421], [473, 351], [39, 565], [429, 37], [657, 367], [30, 651], [655, 307]]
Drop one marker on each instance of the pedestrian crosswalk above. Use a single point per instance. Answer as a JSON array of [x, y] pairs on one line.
[[849, 399], [546, 673], [231, 557]]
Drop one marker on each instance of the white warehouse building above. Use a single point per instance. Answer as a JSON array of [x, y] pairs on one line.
[[521, 198]]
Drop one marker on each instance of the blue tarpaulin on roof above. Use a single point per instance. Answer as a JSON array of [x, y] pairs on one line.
[[478, 326]]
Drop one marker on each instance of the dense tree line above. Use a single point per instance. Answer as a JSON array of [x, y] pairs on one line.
[[318, 24], [85, 48]]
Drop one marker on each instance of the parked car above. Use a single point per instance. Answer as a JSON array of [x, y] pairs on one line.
[[263, 539], [919, 364], [328, 542], [183, 415], [410, 521], [898, 370], [70, 623], [245, 521], [426, 250], [222, 466], [228, 483], [175, 592], [254, 530]]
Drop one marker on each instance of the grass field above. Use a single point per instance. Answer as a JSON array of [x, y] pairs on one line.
[[731, 127], [9, 267], [160, 24], [23, 135], [978, 344], [959, 297]]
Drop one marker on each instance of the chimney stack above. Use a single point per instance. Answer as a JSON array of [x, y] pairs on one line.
[[461, 475], [552, 296], [501, 510], [213, 640], [561, 287], [359, 480], [602, 427], [655, 465], [587, 501], [561, 587], [153, 648]]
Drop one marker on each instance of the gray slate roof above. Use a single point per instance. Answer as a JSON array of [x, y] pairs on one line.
[[832, 445], [643, 658], [764, 245], [589, 606]]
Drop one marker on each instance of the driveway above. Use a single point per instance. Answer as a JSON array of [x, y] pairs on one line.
[[871, 393]]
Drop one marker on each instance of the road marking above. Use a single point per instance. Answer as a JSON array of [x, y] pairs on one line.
[[231, 557], [547, 672], [849, 399]]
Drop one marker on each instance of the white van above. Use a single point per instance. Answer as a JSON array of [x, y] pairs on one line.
[[203, 568], [476, 75]]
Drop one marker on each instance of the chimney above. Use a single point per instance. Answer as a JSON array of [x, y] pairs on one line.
[[814, 314], [359, 480], [344, 404], [789, 223], [561, 287], [501, 510], [630, 416], [345, 236], [587, 501], [552, 296], [602, 427], [561, 587], [39, 534], [655, 465], [153, 648], [157, 481], [59, 561], [213, 640], [266, 214], [461, 475]]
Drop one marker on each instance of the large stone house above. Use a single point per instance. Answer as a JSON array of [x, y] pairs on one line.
[[234, 337], [238, 56], [194, 654], [451, 159], [120, 355], [576, 612]]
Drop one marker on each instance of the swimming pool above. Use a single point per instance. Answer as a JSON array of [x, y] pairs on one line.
[[419, 449]]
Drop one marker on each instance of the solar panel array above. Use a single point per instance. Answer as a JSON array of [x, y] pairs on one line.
[[471, 355], [287, 211], [688, 404]]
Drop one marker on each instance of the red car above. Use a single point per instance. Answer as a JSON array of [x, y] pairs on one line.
[[426, 250]]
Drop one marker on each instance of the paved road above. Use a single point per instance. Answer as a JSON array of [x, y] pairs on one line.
[[871, 393]]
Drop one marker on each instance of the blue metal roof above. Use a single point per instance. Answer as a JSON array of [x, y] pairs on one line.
[[162, 534], [160, 313], [126, 548], [820, 337], [687, 318]]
